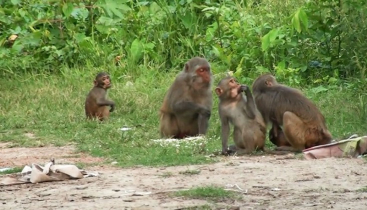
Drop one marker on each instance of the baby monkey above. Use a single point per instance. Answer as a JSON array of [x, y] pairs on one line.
[[240, 110], [96, 104]]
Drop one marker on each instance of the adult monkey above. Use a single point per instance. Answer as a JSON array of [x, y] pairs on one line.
[[249, 127], [304, 125], [187, 105], [96, 104]]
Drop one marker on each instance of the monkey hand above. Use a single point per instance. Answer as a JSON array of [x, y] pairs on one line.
[[227, 152], [205, 112], [243, 88], [112, 108]]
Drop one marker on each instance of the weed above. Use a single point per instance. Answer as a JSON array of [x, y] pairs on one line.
[[190, 172], [363, 189], [11, 171], [166, 174], [213, 193], [203, 207]]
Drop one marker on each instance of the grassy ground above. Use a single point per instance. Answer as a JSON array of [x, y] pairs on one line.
[[213, 193], [37, 110]]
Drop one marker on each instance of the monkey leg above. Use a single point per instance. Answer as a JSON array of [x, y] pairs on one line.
[[90, 111], [273, 135], [239, 139], [173, 127], [277, 137], [203, 123], [103, 113], [168, 126], [301, 135], [286, 149], [89, 115], [187, 128], [247, 140], [259, 141], [294, 130], [234, 150]]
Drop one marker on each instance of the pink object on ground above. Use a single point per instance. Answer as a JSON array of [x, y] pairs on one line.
[[344, 148]]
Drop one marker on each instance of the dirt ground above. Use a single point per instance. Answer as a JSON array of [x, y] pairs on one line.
[[263, 182]]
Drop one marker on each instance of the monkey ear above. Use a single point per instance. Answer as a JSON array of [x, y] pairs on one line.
[[267, 83], [95, 82], [186, 67], [218, 91]]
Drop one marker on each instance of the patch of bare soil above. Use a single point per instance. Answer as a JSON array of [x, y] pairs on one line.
[[21, 156], [264, 182]]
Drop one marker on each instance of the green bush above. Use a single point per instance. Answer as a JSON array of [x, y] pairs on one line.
[[312, 41]]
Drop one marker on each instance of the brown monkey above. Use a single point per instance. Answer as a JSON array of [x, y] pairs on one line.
[[304, 125], [187, 105], [249, 127], [96, 104]]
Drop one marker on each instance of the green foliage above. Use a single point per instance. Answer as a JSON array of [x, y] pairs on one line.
[[317, 41], [321, 40]]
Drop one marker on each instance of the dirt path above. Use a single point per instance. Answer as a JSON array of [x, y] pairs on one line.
[[267, 182]]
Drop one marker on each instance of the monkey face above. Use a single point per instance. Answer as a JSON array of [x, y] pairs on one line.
[[103, 80], [235, 87], [264, 81], [229, 88], [106, 82], [270, 81], [204, 73]]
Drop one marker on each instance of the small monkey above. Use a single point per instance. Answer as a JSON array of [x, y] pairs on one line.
[[96, 104], [234, 108]]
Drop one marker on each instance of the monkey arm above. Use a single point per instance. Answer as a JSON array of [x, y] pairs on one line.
[[184, 106], [250, 105], [203, 121], [224, 133], [105, 102], [99, 94]]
